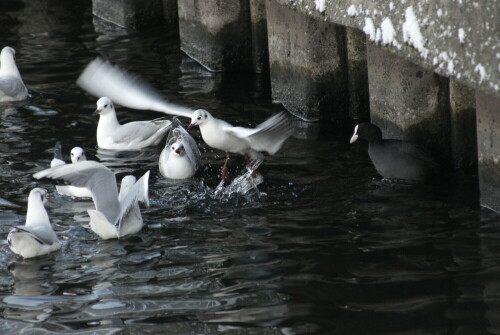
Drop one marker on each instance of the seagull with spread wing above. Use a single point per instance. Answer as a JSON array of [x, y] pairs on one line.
[[116, 214]]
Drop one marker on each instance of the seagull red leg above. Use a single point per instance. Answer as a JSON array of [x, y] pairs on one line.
[[224, 169], [249, 164]]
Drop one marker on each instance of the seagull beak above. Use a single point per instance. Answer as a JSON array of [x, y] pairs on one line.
[[97, 111], [353, 138], [179, 150], [190, 126]]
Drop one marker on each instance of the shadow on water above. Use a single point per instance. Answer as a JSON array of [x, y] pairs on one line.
[[321, 246]]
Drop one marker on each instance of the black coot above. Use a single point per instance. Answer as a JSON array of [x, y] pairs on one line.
[[395, 159]]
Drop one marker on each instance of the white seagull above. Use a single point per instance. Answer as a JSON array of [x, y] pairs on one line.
[[129, 136], [116, 215], [101, 77], [11, 84], [77, 155], [249, 142], [36, 237], [181, 156]]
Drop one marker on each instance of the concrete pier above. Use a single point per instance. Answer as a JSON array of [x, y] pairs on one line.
[[408, 102], [217, 34], [488, 147], [307, 63], [129, 14]]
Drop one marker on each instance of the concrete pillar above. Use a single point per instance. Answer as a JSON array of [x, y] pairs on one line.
[[129, 14], [488, 147], [170, 14], [217, 34], [463, 128], [357, 75], [258, 18], [409, 102], [307, 64]]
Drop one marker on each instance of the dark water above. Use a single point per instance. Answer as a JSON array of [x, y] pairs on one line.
[[324, 246]]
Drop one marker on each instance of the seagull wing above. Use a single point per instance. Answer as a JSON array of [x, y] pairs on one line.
[[93, 175], [267, 136], [12, 86], [100, 78], [137, 193], [190, 146], [139, 130], [41, 234]]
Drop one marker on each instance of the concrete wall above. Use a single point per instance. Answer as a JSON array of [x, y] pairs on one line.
[[457, 39], [307, 63], [130, 14], [217, 34], [488, 147], [408, 102]]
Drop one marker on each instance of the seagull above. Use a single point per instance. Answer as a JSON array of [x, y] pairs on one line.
[[77, 155], [116, 215], [36, 237], [11, 84], [134, 135], [249, 142], [100, 77], [181, 156]]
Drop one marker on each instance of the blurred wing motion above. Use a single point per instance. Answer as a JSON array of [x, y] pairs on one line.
[[101, 79], [267, 136]]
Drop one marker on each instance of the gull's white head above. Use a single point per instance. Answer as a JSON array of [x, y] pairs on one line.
[[199, 117], [104, 106], [38, 194], [177, 149], [8, 61], [355, 135], [77, 155]]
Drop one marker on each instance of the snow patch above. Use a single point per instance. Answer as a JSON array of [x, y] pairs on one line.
[[481, 71], [461, 35], [369, 28], [320, 5], [391, 5], [439, 12], [412, 34], [351, 11], [388, 32]]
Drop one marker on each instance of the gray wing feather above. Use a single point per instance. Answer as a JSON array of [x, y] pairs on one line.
[[46, 236], [140, 130], [13, 87], [267, 136], [93, 175], [137, 193], [190, 146]]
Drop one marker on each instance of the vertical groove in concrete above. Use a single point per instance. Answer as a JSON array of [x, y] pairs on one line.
[[307, 64], [409, 102], [258, 18], [170, 14], [357, 75], [217, 34], [488, 147], [463, 127]]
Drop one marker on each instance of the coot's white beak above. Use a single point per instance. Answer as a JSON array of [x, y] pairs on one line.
[[354, 136]]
